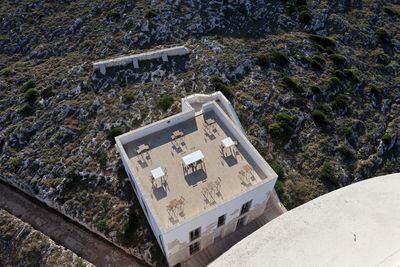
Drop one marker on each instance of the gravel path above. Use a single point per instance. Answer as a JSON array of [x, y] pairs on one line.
[[64, 232]]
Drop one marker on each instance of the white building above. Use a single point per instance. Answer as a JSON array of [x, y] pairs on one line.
[[196, 175]]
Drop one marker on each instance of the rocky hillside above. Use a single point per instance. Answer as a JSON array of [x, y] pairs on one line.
[[315, 83], [21, 245]]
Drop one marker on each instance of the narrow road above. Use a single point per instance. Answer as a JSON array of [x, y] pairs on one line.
[[63, 231]]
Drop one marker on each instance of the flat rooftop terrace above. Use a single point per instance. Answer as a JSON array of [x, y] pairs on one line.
[[186, 192]]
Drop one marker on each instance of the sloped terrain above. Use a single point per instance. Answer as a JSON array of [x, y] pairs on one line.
[[316, 85], [21, 245]]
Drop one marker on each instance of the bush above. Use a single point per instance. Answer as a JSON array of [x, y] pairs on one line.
[[263, 60], [31, 95], [114, 133], [339, 74], [326, 173], [219, 85], [28, 85], [284, 127], [338, 60], [113, 14], [16, 162], [101, 157], [345, 150], [292, 84], [316, 65], [46, 92], [102, 225], [279, 58], [386, 138], [278, 168], [150, 13], [351, 74], [340, 101], [6, 72], [279, 187], [333, 82], [382, 58], [26, 109], [325, 42], [391, 10], [305, 17], [80, 263], [382, 35], [165, 102], [347, 131], [127, 98], [315, 89], [319, 116]]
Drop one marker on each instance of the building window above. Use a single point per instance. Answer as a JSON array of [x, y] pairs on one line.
[[221, 220], [245, 207], [195, 234], [195, 247]]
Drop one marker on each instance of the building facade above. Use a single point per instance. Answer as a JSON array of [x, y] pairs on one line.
[[196, 175]]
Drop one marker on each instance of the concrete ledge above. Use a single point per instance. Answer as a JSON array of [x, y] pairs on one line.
[[134, 59]]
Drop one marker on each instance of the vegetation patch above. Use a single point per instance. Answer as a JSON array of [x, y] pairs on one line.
[[127, 97], [386, 138], [278, 168], [289, 83], [319, 116], [114, 133], [345, 150], [284, 126], [340, 101], [31, 95], [382, 35], [279, 58], [224, 88], [29, 84], [338, 60], [325, 42], [166, 102], [326, 173]]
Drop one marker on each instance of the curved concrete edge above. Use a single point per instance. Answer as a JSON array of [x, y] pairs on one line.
[[358, 225]]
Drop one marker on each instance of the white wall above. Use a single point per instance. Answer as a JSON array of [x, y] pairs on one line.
[[258, 195], [155, 127], [173, 51]]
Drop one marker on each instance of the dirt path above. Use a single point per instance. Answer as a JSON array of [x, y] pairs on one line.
[[63, 231]]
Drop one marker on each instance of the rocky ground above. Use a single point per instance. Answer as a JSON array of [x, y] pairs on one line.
[[21, 245], [316, 85]]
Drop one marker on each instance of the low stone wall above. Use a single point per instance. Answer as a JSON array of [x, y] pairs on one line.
[[134, 59]]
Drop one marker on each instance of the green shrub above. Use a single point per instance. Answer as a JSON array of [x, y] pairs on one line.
[[101, 157], [28, 85], [382, 58], [315, 89], [113, 14], [31, 95], [338, 60], [46, 92], [284, 127], [279, 187], [219, 85], [150, 13], [26, 109], [263, 60], [114, 133], [279, 58], [127, 97], [345, 150], [166, 102], [80, 263], [6, 72], [316, 65], [325, 42], [16, 162], [340, 101], [292, 84], [303, 59], [333, 82], [327, 173], [382, 35], [347, 131], [102, 225], [391, 10], [351, 74], [278, 168], [386, 138], [319, 116], [339, 74], [305, 17]]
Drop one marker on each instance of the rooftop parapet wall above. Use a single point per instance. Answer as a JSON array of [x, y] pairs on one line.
[[134, 59]]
